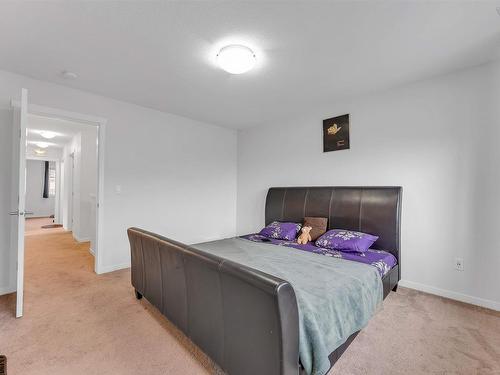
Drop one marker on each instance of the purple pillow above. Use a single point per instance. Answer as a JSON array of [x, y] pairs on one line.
[[346, 240], [281, 231]]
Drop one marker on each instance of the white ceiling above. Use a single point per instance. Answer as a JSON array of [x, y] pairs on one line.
[[65, 130], [160, 54]]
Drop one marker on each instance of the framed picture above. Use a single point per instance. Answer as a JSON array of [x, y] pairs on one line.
[[336, 133]]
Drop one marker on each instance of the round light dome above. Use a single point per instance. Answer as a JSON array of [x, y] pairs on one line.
[[42, 144], [236, 59], [47, 134]]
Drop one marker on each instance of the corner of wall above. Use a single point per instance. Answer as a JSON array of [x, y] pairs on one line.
[[489, 304]]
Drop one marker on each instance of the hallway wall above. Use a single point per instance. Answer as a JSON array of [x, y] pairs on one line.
[[84, 149], [41, 207]]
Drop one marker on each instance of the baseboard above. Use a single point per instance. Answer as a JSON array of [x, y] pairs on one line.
[[115, 267], [7, 290], [490, 304], [78, 239]]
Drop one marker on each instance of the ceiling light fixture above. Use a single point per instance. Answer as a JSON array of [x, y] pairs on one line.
[[40, 152], [236, 59], [47, 134], [42, 144]]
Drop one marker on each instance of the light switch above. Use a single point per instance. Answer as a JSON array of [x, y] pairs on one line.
[[118, 189]]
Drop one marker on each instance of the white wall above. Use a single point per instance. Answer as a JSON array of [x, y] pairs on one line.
[[88, 182], [66, 186], [177, 176], [83, 147], [71, 192], [438, 139], [41, 207]]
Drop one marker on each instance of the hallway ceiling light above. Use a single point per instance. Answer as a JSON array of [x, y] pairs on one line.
[[236, 59], [47, 134], [42, 144], [40, 152]]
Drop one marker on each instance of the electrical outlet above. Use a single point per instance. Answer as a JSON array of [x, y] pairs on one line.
[[459, 264]]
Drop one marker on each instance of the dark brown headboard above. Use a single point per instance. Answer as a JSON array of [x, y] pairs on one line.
[[375, 210]]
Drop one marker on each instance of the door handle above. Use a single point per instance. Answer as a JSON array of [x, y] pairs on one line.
[[29, 213], [16, 213]]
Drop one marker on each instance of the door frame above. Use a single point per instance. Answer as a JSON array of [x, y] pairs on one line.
[[100, 123], [71, 192], [20, 194]]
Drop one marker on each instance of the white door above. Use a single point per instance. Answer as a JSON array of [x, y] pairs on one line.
[[19, 194]]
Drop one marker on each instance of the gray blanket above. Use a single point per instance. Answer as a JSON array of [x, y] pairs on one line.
[[335, 297]]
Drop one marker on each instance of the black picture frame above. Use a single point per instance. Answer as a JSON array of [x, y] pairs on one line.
[[336, 133]]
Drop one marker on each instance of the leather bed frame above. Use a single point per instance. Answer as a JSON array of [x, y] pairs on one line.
[[246, 320]]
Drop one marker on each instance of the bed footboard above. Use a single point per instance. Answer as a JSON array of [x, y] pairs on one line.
[[245, 320]]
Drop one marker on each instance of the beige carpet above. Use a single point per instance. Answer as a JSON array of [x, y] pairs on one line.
[[77, 322], [34, 226]]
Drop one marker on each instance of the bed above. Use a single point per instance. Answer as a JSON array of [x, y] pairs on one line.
[[247, 320]]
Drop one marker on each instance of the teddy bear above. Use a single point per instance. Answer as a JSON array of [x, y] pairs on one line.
[[305, 236]]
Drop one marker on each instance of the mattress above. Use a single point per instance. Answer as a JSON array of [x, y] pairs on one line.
[[335, 298], [382, 260]]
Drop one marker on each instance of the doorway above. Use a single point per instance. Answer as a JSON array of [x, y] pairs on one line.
[[62, 194], [67, 149], [42, 175]]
